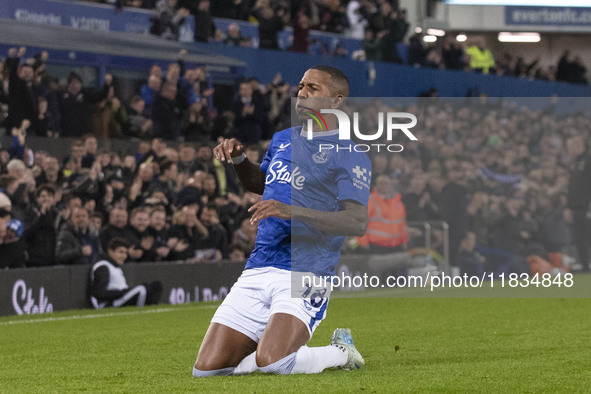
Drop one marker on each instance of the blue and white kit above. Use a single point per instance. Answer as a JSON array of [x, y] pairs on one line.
[[298, 173]]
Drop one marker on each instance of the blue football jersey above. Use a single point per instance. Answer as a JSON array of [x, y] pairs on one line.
[[298, 173]]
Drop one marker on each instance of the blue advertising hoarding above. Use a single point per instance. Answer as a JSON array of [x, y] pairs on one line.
[[548, 16], [76, 15]]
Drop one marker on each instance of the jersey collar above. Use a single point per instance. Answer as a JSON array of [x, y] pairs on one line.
[[319, 133]]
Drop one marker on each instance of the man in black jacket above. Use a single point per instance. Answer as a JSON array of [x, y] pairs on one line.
[[116, 227], [140, 241], [451, 202], [269, 25], [184, 239], [396, 28], [76, 105], [76, 243], [204, 25], [249, 116], [40, 237], [579, 195], [22, 93], [166, 113], [218, 237], [109, 286], [157, 231]]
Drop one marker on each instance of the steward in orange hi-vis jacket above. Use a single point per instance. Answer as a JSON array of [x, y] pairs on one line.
[[387, 219]]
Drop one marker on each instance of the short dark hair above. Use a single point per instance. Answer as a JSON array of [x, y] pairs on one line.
[[69, 196], [137, 210], [186, 145], [136, 99], [167, 85], [204, 145], [336, 75], [46, 187], [158, 208], [167, 165], [97, 214], [117, 242]]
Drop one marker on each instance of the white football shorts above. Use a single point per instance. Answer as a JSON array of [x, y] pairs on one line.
[[261, 292]]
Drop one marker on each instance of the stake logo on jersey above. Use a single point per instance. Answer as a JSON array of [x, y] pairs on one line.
[[279, 172], [296, 173]]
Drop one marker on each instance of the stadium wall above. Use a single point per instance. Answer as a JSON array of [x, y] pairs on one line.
[[26, 291], [59, 288]]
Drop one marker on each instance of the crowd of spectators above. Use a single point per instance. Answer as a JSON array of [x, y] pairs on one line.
[[170, 202], [496, 172], [476, 57], [381, 19], [380, 25], [173, 104]]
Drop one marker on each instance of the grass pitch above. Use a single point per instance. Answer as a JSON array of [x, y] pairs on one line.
[[444, 345]]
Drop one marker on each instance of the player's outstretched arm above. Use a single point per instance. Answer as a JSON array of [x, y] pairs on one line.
[[250, 174], [351, 220]]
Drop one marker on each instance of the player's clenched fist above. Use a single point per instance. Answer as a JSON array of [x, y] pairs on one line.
[[227, 149]]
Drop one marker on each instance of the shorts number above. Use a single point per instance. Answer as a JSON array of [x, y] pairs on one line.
[[317, 298]]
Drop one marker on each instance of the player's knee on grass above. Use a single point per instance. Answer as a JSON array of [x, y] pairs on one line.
[[283, 366], [215, 362], [197, 373], [265, 358], [209, 364]]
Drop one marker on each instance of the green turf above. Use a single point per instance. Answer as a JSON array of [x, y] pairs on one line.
[[445, 345]]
